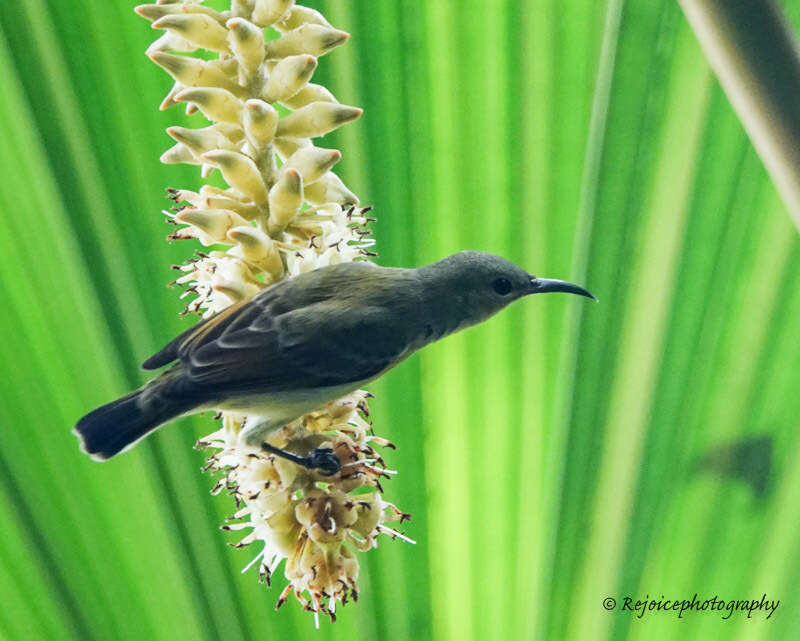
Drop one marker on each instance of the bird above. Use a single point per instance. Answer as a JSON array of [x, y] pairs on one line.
[[308, 340]]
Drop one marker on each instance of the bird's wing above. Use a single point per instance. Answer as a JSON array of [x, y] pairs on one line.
[[294, 293], [169, 352], [265, 344], [319, 345]]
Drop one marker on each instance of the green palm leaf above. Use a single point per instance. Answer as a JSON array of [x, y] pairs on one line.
[[549, 456]]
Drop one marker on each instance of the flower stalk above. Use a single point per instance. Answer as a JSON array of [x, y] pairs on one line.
[[284, 212]]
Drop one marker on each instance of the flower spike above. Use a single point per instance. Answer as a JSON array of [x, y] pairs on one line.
[[284, 212]]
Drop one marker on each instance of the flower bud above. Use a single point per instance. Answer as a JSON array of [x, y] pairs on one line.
[[210, 190], [179, 154], [247, 42], [248, 211], [219, 105], [169, 99], [369, 512], [258, 248], [191, 71], [308, 94], [241, 8], [234, 279], [287, 146], [316, 119], [309, 38], [309, 556], [299, 16], [227, 65], [260, 122], [240, 172], [170, 42], [233, 290], [330, 189], [267, 12], [215, 223], [312, 162], [289, 76], [197, 28], [283, 521], [185, 195], [153, 12], [200, 140], [233, 132], [285, 199]]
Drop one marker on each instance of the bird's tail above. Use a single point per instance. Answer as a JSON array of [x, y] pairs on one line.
[[119, 425]]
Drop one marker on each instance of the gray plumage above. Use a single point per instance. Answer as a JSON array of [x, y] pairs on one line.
[[308, 340]]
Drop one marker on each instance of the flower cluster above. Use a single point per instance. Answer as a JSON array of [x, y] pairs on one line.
[[284, 212]]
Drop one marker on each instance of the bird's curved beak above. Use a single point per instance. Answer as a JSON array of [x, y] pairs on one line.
[[547, 285]]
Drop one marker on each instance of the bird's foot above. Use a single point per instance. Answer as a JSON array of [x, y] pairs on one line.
[[321, 458], [324, 459]]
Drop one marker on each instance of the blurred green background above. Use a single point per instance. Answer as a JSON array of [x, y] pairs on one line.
[[548, 456]]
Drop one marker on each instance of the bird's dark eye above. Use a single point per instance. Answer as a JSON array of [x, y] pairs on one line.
[[502, 286]]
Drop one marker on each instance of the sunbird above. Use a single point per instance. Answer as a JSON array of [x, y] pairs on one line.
[[306, 341]]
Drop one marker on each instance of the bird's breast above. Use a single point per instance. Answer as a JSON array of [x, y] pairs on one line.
[[287, 404]]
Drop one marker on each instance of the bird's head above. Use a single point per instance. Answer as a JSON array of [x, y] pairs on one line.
[[478, 284]]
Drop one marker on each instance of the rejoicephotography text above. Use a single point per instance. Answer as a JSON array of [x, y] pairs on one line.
[[695, 604]]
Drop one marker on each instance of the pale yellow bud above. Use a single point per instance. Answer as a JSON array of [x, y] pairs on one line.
[[219, 105], [285, 199], [284, 523], [312, 162], [266, 12], [213, 222], [233, 290], [198, 28], [179, 154], [289, 76], [316, 119], [299, 16], [211, 190], [309, 38], [240, 172], [308, 94], [260, 122], [153, 12], [287, 146], [369, 513], [248, 211], [330, 189], [226, 64], [169, 99], [232, 131], [242, 7], [247, 42], [186, 195], [191, 71], [170, 42], [200, 140], [258, 248]]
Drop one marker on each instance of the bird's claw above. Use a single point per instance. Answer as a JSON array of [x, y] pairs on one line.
[[324, 459], [321, 458]]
